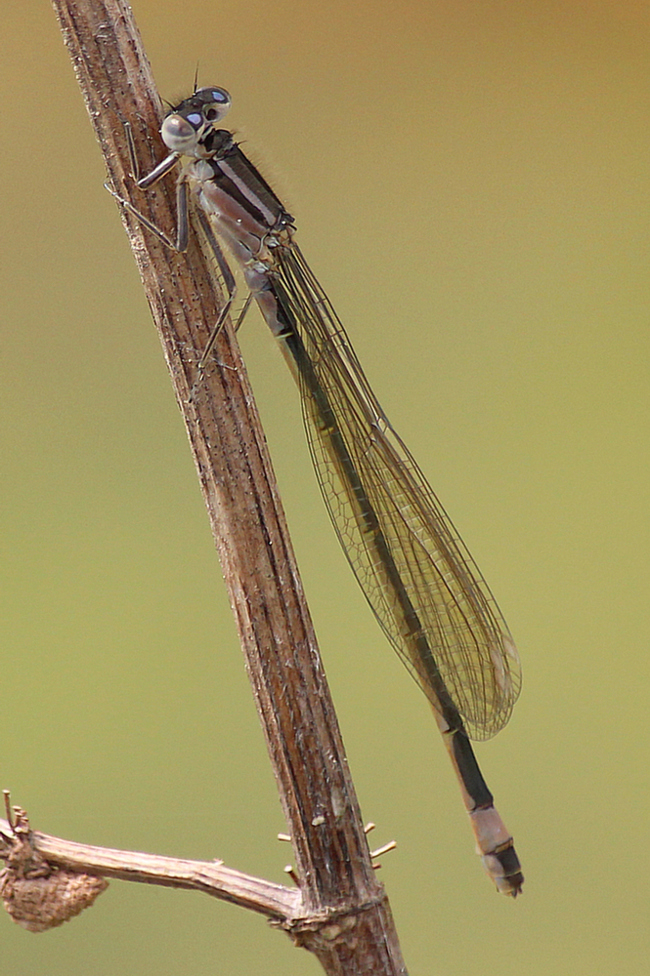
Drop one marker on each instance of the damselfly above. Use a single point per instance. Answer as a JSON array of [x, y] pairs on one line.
[[419, 579]]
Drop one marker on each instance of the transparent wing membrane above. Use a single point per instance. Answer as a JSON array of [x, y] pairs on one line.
[[380, 503]]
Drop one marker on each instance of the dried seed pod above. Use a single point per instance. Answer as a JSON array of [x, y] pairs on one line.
[[44, 901]]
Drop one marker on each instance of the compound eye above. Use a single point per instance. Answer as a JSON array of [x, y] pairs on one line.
[[216, 102], [178, 133]]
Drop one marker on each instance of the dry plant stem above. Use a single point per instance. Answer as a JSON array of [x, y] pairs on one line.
[[277, 902], [343, 915]]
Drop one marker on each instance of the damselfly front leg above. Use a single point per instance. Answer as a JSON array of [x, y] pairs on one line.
[[180, 243]]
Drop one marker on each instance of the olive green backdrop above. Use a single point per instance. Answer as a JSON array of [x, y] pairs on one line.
[[470, 186]]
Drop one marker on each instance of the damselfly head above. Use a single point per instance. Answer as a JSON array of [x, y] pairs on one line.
[[187, 125]]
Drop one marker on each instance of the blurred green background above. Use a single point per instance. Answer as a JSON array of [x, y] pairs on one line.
[[470, 184]]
